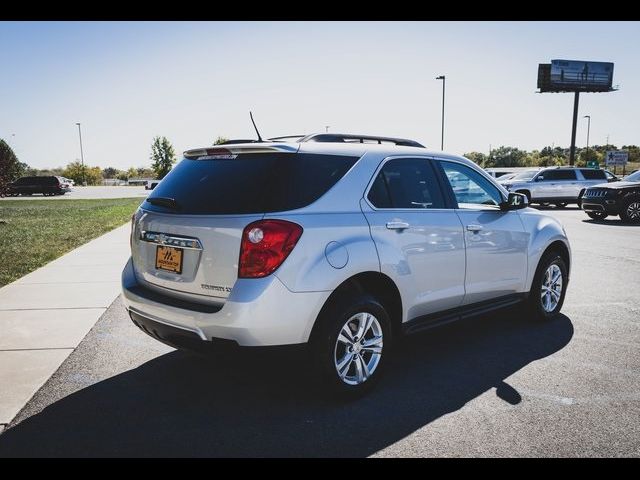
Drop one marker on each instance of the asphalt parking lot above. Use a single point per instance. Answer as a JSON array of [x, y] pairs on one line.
[[492, 386], [87, 193]]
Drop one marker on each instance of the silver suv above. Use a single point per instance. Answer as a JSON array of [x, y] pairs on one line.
[[557, 185], [342, 247]]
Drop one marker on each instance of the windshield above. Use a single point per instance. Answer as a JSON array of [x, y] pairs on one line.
[[528, 175], [634, 177]]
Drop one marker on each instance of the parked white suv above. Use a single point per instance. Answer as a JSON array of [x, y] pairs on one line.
[[557, 185], [340, 246]]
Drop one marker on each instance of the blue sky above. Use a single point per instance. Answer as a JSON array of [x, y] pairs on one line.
[[193, 81]]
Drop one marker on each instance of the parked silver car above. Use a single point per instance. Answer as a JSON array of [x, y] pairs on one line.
[[341, 247], [557, 185]]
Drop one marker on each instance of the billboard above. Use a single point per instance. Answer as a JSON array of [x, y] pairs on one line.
[[575, 76], [616, 157]]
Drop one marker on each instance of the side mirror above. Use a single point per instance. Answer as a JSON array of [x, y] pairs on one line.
[[539, 178], [515, 201]]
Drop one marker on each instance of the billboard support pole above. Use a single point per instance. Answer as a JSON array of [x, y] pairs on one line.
[[572, 152]]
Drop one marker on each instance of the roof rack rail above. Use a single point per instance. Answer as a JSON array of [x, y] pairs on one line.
[[351, 138]]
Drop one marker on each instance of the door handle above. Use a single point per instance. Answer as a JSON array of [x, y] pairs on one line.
[[474, 228], [397, 225]]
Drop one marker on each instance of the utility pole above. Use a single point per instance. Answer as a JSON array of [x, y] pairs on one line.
[[442, 77], [84, 180], [572, 151]]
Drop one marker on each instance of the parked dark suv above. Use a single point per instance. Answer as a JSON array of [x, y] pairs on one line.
[[29, 185], [619, 198]]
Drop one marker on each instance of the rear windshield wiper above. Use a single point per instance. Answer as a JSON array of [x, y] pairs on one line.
[[164, 202]]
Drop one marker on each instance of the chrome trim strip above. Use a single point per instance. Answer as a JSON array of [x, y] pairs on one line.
[[170, 240]]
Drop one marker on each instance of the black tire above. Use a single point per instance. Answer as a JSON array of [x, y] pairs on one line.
[[630, 211], [535, 309], [325, 346], [561, 204], [597, 215], [579, 202]]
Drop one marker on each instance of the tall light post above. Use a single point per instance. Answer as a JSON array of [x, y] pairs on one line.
[[442, 77], [588, 117], [84, 180]]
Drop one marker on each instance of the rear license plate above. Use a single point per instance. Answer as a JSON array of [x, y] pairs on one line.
[[169, 259]]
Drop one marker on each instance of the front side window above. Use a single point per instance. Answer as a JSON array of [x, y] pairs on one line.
[[406, 183], [470, 188]]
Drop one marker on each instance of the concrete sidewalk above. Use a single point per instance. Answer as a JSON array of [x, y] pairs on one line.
[[45, 314]]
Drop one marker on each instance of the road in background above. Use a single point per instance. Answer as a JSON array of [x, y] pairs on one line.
[[87, 193], [491, 386]]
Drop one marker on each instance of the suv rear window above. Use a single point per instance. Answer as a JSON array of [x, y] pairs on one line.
[[250, 183], [593, 174]]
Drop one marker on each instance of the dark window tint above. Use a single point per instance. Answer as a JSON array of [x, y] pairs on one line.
[[250, 183], [406, 183], [593, 174], [559, 175]]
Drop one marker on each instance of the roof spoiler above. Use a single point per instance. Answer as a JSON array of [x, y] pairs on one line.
[[231, 150]]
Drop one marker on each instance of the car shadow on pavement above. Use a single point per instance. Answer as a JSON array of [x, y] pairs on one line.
[[267, 405], [612, 222]]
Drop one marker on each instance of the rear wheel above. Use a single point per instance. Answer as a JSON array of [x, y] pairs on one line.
[[597, 215], [548, 288], [351, 347], [631, 210]]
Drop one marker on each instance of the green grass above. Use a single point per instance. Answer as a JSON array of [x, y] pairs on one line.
[[35, 232]]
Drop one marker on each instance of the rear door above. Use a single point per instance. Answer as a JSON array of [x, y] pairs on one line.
[[188, 232], [419, 241], [495, 240], [568, 184]]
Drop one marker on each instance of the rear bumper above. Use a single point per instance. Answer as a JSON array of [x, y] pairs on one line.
[[258, 312]]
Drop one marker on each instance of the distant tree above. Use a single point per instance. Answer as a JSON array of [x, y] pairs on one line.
[[163, 156], [508, 157], [132, 173], [110, 172], [145, 172], [76, 172], [477, 157], [122, 175], [220, 140], [10, 167]]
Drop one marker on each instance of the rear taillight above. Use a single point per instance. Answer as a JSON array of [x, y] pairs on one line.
[[265, 245]]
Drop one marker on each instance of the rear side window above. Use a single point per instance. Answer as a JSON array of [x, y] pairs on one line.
[[406, 183], [560, 175], [593, 174], [250, 183]]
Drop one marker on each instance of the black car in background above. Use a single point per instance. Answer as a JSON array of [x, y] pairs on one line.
[[619, 198], [48, 185]]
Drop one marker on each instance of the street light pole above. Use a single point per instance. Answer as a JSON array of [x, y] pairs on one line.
[[84, 180], [442, 77], [588, 117]]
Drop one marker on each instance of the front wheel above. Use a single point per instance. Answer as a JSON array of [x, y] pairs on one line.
[[630, 212], [548, 288], [352, 345], [597, 215]]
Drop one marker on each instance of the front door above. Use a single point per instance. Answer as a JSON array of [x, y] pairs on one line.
[[496, 242]]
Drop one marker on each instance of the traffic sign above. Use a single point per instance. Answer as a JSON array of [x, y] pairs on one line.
[[616, 157], [593, 164]]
